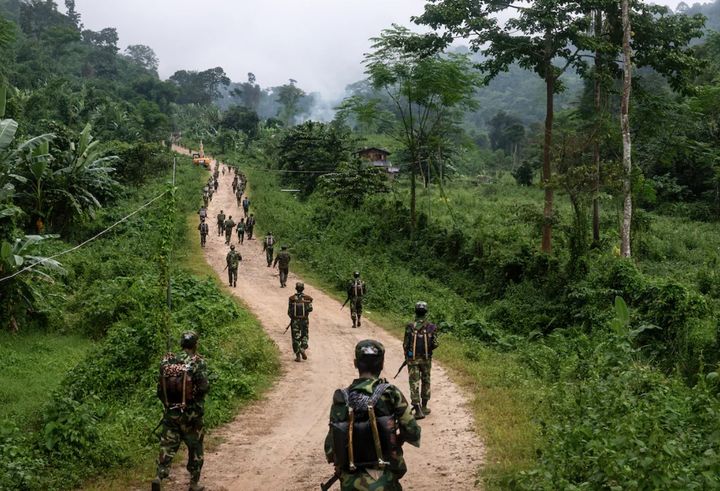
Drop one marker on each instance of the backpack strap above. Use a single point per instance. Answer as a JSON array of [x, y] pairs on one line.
[[377, 394], [351, 423], [373, 423]]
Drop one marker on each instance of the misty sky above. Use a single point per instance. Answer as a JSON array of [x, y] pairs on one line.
[[320, 43]]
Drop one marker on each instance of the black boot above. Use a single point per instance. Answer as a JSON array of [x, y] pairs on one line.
[[418, 411], [155, 486], [425, 408]]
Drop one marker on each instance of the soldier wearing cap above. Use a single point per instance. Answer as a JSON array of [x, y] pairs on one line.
[[299, 308], [182, 422], [283, 259], [419, 343], [369, 422]]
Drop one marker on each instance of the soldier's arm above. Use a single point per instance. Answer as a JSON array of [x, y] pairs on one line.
[[433, 338], [407, 340], [409, 429], [338, 412], [201, 380], [290, 305]]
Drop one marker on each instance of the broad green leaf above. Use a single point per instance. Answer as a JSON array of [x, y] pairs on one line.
[[8, 128], [3, 99], [621, 310]]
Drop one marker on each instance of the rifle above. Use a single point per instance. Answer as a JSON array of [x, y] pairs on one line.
[[288, 327], [400, 369], [346, 301], [330, 482]]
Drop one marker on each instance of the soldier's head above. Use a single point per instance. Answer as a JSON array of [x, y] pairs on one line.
[[222, 211], [369, 357], [300, 286], [356, 274], [284, 248], [232, 247], [421, 309], [269, 233], [188, 340], [252, 215], [202, 219], [230, 217]]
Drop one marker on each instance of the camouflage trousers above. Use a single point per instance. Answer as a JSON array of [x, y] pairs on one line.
[[232, 276], [241, 236], [221, 228], [228, 236], [300, 334], [419, 375], [363, 481], [203, 239], [356, 308], [269, 255], [283, 276], [175, 430]]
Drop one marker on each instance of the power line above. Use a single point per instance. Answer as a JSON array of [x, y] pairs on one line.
[[44, 260]]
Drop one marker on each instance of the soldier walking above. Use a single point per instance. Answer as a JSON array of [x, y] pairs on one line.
[[355, 293], [234, 184], [182, 386], [299, 308], [233, 259], [229, 227], [204, 230], [241, 231], [221, 222], [246, 205], [239, 195], [369, 422], [283, 260], [268, 247], [249, 226], [202, 213], [419, 343]]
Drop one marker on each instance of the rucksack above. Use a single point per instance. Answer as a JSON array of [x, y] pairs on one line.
[[357, 289], [299, 306], [365, 440], [204, 228], [270, 241], [175, 385]]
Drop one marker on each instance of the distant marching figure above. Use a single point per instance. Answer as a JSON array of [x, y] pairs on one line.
[[241, 231], [299, 308], [238, 196], [204, 230], [246, 205], [249, 226], [268, 245], [355, 293], [234, 183], [233, 259], [419, 344], [283, 259], [221, 222], [229, 227]]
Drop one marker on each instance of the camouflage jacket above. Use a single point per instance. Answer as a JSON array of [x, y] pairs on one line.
[[240, 227], [201, 385], [392, 402], [268, 243], [232, 259], [229, 225], [221, 218], [420, 338], [283, 259]]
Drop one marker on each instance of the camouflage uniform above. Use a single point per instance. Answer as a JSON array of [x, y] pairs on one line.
[[233, 259], [221, 223], [204, 229], [392, 402], [241, 231], [299, 308], [283, 259], [269, 247], [419, 343], [246, 206], [185, 425], [238, 195], [249, 226], [229, 227], [357, 289]]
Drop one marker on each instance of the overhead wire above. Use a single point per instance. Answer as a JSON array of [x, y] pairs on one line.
[[82, 244]]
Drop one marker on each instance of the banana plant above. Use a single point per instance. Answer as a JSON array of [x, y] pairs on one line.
[[19, 290]]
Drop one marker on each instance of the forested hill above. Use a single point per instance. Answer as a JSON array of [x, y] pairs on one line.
[[711, 10]]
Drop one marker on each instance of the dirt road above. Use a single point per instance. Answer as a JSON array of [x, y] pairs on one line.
[[276, 444]]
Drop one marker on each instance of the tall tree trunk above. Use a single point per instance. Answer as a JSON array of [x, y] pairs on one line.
[[596, 146], [625, 127], [413, 211], [547, 169]]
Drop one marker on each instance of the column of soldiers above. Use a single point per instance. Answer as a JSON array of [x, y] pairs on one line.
[[369, 420]]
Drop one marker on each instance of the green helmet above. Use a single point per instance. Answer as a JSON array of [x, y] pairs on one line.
[[232, 247], [421, 308], [300, 286], [189, 340], [369, 348]]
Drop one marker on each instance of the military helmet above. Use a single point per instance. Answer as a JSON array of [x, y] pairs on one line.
[[299, 286], [421, 308], [232, 247], [283, 247], [369, 348], [189, 340], [356, 274]]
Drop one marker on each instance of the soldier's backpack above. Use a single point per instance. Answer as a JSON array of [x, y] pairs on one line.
[[357, 289], [422, 341], [204, 229], [203, 213], [270, 241], [365, 440], [175, 385], [299, 306]]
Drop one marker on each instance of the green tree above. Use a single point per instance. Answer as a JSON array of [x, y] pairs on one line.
[[429, 93], [240, 118], [353, 182], [199, 87], [289, 97], [143, 56]]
